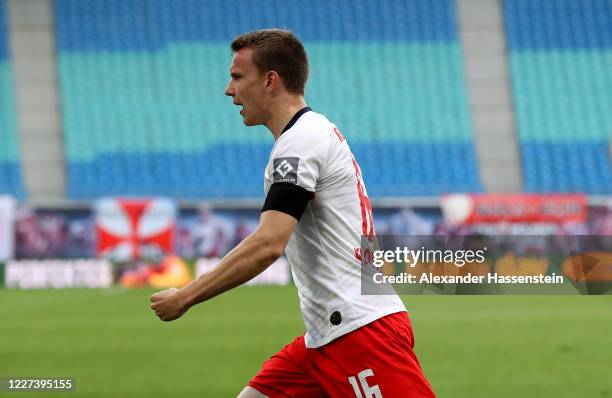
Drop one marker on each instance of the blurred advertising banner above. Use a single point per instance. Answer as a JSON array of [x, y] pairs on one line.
[[176, 244], [516, 208], [58, 274], [54, 233], [206, 232], [128, 229], [7, 227], [276, 274]]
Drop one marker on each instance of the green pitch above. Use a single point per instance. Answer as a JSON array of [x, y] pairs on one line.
[[478, 346]]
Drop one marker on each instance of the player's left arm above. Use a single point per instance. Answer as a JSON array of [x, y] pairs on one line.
[[247, 260]]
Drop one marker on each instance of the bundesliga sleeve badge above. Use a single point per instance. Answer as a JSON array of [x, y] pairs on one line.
[[286, 170]]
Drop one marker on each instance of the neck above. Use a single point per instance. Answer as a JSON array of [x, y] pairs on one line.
[[283, 112]]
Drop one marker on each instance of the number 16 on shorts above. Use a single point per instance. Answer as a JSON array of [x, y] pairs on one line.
[[369, 391]]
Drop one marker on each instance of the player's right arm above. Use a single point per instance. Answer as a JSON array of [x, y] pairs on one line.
[[295, 168], [247, 260]]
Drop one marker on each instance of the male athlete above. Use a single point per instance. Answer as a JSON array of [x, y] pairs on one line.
[[316, 210]]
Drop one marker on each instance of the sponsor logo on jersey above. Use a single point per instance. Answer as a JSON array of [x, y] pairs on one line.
[[286, 170]]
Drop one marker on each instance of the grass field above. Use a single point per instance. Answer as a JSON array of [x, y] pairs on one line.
[[470, 346]]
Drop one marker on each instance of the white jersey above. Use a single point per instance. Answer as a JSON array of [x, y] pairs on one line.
[[324, 250]]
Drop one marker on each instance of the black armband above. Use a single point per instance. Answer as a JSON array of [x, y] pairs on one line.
[[287, 198]]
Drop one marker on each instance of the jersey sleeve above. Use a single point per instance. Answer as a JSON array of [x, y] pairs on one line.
[[297, 161]]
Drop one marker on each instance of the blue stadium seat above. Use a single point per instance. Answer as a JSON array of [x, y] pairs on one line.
[[10, 157], [559, 50], [146, 77]]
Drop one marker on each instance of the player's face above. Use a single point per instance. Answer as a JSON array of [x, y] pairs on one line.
[[247, 88]]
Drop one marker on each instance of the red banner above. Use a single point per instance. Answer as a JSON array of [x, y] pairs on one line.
[[516, 208], [129, 229]]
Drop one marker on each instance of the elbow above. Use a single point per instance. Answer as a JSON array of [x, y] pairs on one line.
[[274, 253], [272, 250]]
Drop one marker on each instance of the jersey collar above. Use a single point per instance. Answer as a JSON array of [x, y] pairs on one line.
[[295, 118]]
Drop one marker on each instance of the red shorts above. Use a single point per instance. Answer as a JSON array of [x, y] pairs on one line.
[[374, 361]]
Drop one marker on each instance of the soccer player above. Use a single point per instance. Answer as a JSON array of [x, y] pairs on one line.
[[316, 211]]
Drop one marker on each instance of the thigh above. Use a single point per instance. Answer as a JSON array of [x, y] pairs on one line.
[[375, 361], [286, 375]]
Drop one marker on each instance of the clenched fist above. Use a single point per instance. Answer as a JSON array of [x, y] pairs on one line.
[[168, 304]]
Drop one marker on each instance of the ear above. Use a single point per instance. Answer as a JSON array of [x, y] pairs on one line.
[[272, 81]]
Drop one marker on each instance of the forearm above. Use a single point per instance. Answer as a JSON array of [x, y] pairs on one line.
[[250, 258]]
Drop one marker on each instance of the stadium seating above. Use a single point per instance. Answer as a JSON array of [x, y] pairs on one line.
[[10, 168], [561, 65], [142, 86]]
